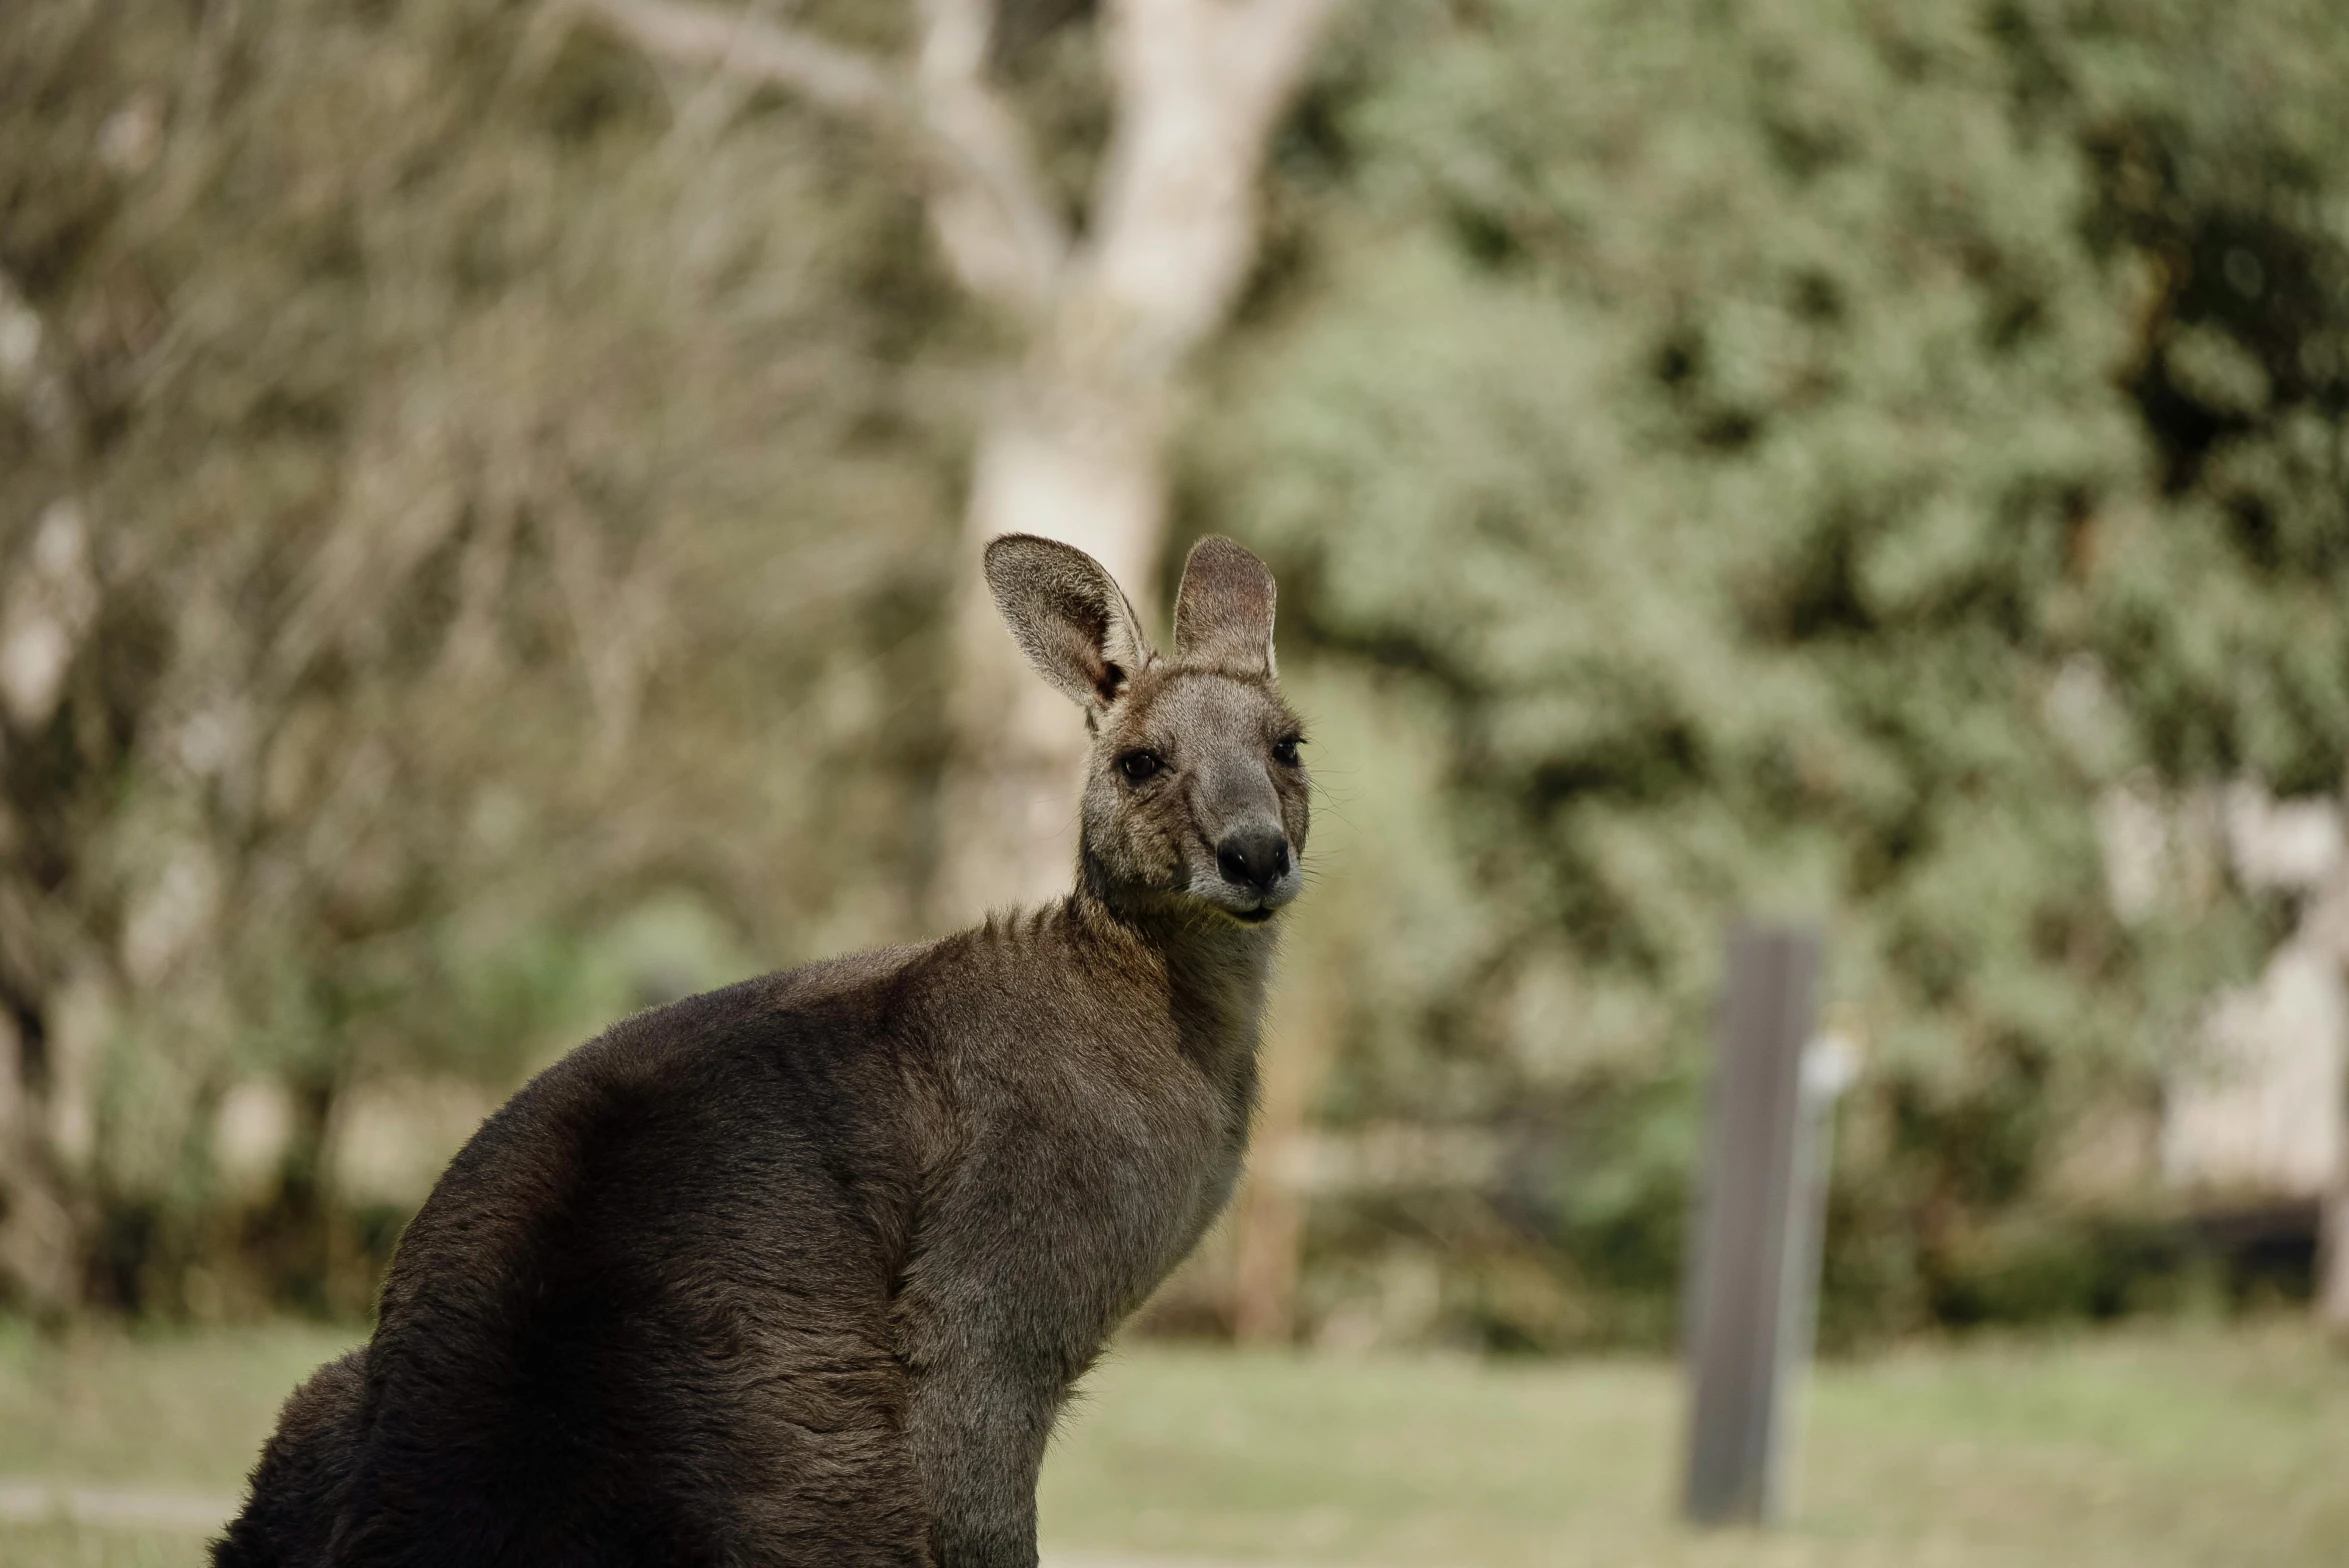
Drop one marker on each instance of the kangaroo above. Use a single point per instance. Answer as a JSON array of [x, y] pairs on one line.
[[803, 1270]]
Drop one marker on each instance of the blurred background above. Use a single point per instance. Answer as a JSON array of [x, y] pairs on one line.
[[489, 496]]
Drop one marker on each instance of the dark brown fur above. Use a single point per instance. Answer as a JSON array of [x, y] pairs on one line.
[[802, 1271]]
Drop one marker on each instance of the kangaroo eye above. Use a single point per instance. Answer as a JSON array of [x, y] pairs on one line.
[[1284, 750], [1140, 765]]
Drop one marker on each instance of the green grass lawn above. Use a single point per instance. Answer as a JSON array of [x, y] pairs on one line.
[[2145, 1449]]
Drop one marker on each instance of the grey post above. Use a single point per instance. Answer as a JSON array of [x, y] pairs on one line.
[[1754, 1260]]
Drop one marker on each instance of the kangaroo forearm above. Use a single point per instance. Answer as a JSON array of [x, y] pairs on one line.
[[978, 1440]]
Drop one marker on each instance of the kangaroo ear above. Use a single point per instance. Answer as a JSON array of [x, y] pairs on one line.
[[1223, 611], [1068, 616]]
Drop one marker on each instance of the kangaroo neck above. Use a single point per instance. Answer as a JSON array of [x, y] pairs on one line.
[[1214, 969]]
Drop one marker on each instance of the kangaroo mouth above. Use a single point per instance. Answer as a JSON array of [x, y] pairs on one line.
[[1249, 905]]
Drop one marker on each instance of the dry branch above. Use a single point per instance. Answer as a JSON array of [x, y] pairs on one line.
[[994, 220], [827, 75]]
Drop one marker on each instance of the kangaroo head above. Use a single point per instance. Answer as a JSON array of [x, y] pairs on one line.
[[1194, 793]]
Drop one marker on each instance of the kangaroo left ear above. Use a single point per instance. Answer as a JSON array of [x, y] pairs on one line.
[[1223, 611], [1069, 617]]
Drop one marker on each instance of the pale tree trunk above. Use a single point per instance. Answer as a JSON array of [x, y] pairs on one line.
[[1073, 448], [1072, 445], [1268, 1245], [1065, 455]]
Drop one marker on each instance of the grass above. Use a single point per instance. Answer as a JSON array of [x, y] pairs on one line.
[[2152, 1449]]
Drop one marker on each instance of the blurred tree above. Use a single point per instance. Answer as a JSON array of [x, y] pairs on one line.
[[1805, 451], [2216, 137], [422, 446], [1105, 306]]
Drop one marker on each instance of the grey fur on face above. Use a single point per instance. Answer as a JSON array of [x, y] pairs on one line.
[[1194, 785], [802, 1271]]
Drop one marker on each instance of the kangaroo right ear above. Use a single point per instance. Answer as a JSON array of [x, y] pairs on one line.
[[1068, 615], [1223, 610]]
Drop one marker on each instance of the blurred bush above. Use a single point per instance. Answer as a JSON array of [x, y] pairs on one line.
[[1796, 456], [465, 495]]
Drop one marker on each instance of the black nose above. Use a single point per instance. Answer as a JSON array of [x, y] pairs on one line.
[[1254, 857]]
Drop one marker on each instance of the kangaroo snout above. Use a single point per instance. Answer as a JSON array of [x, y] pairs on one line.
[[1255, 857]]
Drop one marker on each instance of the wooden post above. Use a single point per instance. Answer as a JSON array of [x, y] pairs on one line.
[[1753, 1269]]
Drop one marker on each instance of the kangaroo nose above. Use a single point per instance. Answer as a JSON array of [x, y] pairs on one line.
[[1254, 857]]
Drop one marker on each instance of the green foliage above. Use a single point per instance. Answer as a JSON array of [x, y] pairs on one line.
[[2216, 137], [1809, 449]]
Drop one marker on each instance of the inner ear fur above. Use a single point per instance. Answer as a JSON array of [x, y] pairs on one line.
[[1068, 615], [1223, 612]]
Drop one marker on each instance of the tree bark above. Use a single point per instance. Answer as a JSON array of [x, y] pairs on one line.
[[1077, 463], [1074, 445]]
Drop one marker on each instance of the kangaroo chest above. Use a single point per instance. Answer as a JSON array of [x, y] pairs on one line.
[[1087, 1166], [1147, 1156]]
